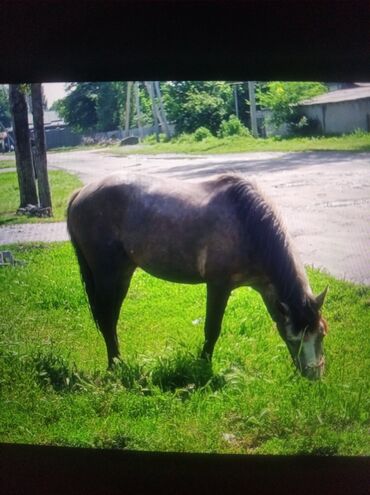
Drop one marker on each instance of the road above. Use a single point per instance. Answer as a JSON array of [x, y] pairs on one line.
[[323, 196]]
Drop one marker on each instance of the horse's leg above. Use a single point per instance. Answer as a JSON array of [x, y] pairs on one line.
[[217, 297], [112, 282]]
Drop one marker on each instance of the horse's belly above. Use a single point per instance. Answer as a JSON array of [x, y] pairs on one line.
[[172, 275], [168, 264]]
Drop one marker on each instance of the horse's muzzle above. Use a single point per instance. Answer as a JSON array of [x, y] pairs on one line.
[[314, 371]]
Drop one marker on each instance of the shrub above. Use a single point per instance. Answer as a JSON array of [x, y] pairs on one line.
[[202, 133], [232, 127], [303, 126]]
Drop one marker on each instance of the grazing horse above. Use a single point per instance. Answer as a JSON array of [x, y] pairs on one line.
[[222, 232]]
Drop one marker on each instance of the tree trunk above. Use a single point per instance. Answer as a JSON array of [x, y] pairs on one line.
[[40, 147], [23, 157]]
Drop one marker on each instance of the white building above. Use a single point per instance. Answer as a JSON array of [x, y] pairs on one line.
[[341, 111]]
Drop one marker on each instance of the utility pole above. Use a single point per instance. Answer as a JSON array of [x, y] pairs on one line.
[[252, 103], [161, 110], [128, 108], [138, 109], [149, 87], [236, 100]]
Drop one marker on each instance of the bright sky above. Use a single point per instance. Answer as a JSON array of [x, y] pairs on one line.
[[54, 91]]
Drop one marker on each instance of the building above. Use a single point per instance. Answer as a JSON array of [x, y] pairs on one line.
[[340, 111], [57, 132]]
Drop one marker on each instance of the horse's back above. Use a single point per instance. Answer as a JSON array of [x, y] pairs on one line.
[[173, 229]]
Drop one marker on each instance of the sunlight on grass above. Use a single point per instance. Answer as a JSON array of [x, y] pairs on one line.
[[54, 387], [7, 163], [358, 141], [62, 184]]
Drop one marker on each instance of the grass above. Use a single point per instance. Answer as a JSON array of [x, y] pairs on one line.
[[358, 141], [7, 164], [62, 184], [55, 390]]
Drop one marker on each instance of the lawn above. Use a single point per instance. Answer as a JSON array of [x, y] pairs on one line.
[[55, 390], [62, 185], [7, 164], [358, 141]]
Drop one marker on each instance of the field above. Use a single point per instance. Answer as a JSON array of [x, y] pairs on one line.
[[55, 389]]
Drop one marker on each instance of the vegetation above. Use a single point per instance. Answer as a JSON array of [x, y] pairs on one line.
[[194, 104], [7, 163], [190, 105], [282, 97], [5, 117], [55, 390], [187, 143], [62, 185], [98, 106]]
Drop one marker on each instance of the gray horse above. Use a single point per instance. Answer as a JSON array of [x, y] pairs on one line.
[[222, 232]]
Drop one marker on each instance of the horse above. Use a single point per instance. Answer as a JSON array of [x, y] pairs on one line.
[[222, 231]]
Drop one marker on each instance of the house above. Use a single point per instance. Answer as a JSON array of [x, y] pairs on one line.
[[340, 111], [57, 132]]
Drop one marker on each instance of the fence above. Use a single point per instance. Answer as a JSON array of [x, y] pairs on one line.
[[120, 134], [58, 138], [63, 136]]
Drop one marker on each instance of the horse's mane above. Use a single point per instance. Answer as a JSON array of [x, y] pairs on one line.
[[263, 228]]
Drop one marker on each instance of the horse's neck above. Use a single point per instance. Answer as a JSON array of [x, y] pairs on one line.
[[292, 290]]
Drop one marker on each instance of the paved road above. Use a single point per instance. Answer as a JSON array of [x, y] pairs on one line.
[[324, 196]]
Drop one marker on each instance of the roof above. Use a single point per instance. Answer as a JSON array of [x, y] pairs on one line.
[[51, 119], [360, 92]]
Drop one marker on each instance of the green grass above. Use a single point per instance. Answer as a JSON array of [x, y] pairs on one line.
[[54, 388], [7, 164], [62, 184], [358, 141]]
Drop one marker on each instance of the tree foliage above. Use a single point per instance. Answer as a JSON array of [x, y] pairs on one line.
[[194, 104], [190, 105], [282, 97], [100, 106]]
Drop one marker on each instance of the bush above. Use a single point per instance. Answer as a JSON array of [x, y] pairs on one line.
[[202, 133], [152, 138], [232, 127], [303, 126]]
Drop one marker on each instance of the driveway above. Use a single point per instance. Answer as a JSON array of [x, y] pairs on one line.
[[324, 196]]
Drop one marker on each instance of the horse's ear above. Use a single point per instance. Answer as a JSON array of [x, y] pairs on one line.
[[283, 308], [321, 298]]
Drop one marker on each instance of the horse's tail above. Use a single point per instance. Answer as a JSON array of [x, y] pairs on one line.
[[86, 273]]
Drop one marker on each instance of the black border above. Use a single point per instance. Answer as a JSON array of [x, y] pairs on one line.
[[82, 40], [64, 40], [57, 470]]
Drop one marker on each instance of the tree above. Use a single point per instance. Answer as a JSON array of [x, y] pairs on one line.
[[40, 147], [194, 104], [23, 157], [282, 97], [78, 108]]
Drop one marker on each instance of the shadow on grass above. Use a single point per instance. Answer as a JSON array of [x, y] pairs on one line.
[[54, 371]]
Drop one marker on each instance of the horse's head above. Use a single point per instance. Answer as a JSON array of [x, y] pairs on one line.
[[304, 336]]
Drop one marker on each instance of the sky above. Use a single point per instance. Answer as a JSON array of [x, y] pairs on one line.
[[54, 91]]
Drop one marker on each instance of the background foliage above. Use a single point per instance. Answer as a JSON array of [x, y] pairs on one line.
[[282, 97]]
